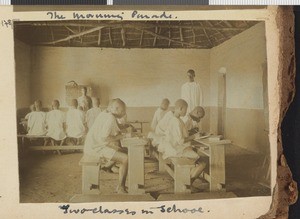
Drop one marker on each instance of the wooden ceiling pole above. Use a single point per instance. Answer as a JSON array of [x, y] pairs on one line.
[[109, 35], [73, 36], [170, 34], [155, 37], [69, 29], [172, 40], [123, 36], [141, 39], [99, 37], [181, 36]]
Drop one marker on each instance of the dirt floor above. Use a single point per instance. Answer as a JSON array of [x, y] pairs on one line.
[[56, 178]]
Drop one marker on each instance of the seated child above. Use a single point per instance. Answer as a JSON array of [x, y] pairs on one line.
[[192, 120], [92, 113], [160, 112], [55, 120], [176, 142], [24, 121], [37, 120], [75, 119]]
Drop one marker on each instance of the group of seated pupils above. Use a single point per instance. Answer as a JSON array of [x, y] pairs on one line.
[[58, 125], [171, 130]]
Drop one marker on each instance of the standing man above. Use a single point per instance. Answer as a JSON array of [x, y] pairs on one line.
[[84, 101], [191, 91]]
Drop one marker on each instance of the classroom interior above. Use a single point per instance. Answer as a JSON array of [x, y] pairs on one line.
[[230, 61]]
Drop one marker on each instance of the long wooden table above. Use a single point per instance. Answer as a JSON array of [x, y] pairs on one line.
[[215, 150], [136, 166]]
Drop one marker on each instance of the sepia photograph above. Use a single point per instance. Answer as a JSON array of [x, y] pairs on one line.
[[141, 110]]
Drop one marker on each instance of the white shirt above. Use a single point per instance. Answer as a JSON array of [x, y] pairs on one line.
[[191, 92], [104, 126], [37, 123], [158, 115], [91, 116], [75, 123], [55, 120], [163, 124], [173, 144]]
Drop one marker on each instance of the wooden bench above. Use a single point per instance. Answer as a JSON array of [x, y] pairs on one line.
[[56, 148], [180, 170], [91, 174]]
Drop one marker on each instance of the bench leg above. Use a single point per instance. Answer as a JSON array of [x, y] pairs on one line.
[[182, 180], [90, 179]]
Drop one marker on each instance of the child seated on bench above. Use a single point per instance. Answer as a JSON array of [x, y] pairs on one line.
[[92, 113], [176, 142], [24, 121], [75, 127], [55, 120], [37, 120], [159, 113], [192, 120], [160, 129], [102, 140]]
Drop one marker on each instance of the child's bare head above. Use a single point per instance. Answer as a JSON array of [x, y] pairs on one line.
[[74, 103], [95, 101], [165, 104], [32, 107], [191, 75], [118, 108], [197, 113], [181, 107], [38, 105], [55, 104]]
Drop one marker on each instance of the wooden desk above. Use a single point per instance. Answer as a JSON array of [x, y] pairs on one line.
[[136, 166], [140, 123], [215, 150]]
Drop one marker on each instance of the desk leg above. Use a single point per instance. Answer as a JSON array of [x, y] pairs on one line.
[[136, 178], [217, 167]]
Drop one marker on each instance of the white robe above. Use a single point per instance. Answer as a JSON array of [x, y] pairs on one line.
[[37, 123], [75, 123], [55, 120], [91, 116], [163, 123], [158, 115], [172, 144], [97, 139], [191, 92]]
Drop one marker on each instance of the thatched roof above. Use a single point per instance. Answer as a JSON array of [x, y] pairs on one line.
[[130, 34]]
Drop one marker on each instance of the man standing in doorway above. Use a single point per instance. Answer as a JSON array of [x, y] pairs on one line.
[[84, 101], [191, 91]]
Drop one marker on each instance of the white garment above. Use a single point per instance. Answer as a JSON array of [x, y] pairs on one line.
[[158, 115], [160, 129], [91, 116], [85, 102], [163, 123], [75, 123], [172, 144], [97, 139], [191, 92], [55, 120], [37, 123]]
